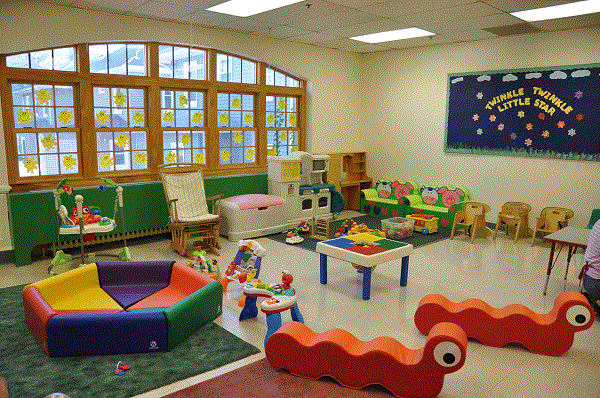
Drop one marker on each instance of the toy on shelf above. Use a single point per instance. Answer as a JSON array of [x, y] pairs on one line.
[[425, 223], [548, 334], [244, 267], [279, 297], [85, 221], [293, 237], [320, 229], [357, 364]]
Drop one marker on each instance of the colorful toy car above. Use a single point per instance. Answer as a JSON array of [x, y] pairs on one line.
[[425, 223]]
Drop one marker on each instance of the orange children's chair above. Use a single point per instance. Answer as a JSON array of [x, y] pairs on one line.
[[551, 219], [472, 218], [514, 215]]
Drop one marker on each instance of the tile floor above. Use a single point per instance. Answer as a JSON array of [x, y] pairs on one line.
[[499, 272]]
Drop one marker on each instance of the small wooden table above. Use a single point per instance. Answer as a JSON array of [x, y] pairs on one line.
[[573, 237], [366, 251]]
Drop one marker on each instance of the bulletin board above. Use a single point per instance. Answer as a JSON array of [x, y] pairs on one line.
[[540, 112]]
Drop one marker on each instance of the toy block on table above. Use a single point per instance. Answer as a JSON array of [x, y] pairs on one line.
[[357, 364], [548, 334]]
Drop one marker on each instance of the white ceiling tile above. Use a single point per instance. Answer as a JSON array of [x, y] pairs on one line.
[[365, 48], [399, 8], [300, 12], [120, 7], [469, 35], [336, 20], [465, 11], [357, 3], [283, 32], [420, 41], [209, 18], [248, 25], [159, 9], [313, 38], [339, 43], [488, 21], [520, 5], [579, 21], [379, 25]]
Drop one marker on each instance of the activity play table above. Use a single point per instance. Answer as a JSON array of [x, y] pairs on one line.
[[572, 237], [365, 252]]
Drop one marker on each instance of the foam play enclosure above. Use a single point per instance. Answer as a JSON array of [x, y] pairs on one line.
[[120, 307]]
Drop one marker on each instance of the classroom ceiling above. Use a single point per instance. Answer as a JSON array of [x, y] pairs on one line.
[[331, 23]]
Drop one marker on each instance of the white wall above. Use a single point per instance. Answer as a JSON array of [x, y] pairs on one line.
[[406, 110]]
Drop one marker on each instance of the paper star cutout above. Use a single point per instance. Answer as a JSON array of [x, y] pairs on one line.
[[169, 117], [579, 116], [223, 118], [560, 124], [492, 118], [24, 116], [30, 164], [49, 142], [501, 126], [546, 134], [528, 142], [513, 136], [197, 118], [292, 119], [272, 152], [186, 139], [479, 95], [102, 118], [106, 161], [250, 154], [475, 117], [183, 101], [281, 104], [122, 140], [248, 117], [529, 126], [65, 117], [69, 161], [571, 132], [578, 94], [479, 131], [44, 96], [199, 158], [141, 158], [138, 117], [171, 157], [120, 99], [236, 103], [271, 119], [542, 116], [225, 155], [521, 114]]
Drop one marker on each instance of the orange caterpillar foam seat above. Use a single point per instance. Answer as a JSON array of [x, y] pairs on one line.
[[548, 334], [357, 364]]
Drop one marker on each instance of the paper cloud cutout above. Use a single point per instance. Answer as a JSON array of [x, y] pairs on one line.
[[484, 77], [458, 79], [558, 75], [581, 73], [509, 78], [533, 75]]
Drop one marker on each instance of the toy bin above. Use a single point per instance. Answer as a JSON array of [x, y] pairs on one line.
[[398, 227]]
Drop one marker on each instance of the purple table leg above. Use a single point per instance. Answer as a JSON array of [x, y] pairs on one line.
[[323, 268], [366, 283], [404, 271]]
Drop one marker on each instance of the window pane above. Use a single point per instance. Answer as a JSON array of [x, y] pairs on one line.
[[117, 59], [165, 61], [69, 163], [29, 166], [222, 67], [136, 59], [270, 77], [181, 63], [63, 95], [44, 117], [235, 70], [197, 64], [64, 59], [23, 117], [98, 58], [26, 143], [279, 79], [18, 61], [136, 98], [41, 59], [248, 72], [44, 95], [22, 94]]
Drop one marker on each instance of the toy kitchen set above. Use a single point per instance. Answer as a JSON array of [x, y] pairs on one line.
[[300, 178]]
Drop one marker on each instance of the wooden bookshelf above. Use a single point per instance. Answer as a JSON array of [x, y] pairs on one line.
[[348, 172]]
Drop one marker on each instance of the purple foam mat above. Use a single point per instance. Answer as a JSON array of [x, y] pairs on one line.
[[127, 295]]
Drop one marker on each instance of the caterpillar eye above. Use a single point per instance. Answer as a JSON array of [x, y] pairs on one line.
[[85, 210], [447, 354], [578, 315]]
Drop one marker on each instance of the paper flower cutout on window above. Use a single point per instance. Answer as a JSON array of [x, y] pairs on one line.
[[186, 139], [293, 149], [292, 120], [528, 142], [102, 118], [65, 117], [24, 116], [281, 104], [120, 99], [250, 155], [44, 96], [49, 142], [238, 138], [122, 140], [171, 157], [140, 158], [283, 136], [69, 161], [169, 117], [223, 118], [225, 155], [106, 161], [272, 152], [30, 164], [197, 118], [546, 134], [138, 117], [183, 101], [248, 117], [271, 118], [199, 158], [236, 103]]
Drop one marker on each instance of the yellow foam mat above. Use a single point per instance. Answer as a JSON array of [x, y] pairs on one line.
[[90, 299]]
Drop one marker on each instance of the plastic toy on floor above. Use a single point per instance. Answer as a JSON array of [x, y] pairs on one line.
[[244, 268], [424, 223], [279, 297], [548, 334], [353, 363], [200, 264], [293, 237], [85, 221], [303, 227]]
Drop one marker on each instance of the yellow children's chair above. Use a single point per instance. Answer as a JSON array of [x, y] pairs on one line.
[[514, 215], [551, 219], [472, 218]]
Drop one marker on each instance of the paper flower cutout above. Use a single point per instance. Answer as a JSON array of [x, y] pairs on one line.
[[223, 118], [186, 139], [106, 161], [293, 149], [283, 136], [30, 164], [236, 103], [138, 117], [24, 116], [528, 142], [102, 118], [546, 134], [197, 118], [561, 124], [122, 140], [292, 120], [140, 158], [65, 117], [281, 104], [49, 142], [199, 158], [183, 101], [250, 155], [272, 152], [169, 117], [248, 118], [225, 155], [171, 157], [44, 96], [69, 161], [238, 138], [120, 99]]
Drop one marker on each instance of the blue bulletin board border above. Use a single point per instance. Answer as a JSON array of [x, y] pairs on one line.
[[545, 112]]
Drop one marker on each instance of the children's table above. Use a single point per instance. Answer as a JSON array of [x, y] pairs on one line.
[[365, 251]]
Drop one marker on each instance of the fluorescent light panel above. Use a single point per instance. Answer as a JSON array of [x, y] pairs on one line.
[[245, 8], [390, 35], [559, 11]]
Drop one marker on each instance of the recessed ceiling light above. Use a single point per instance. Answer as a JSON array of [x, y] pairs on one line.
[[390, 35], [245, 8], [559, 11]]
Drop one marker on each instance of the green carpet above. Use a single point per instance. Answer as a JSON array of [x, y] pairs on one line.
[[31, 373]]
